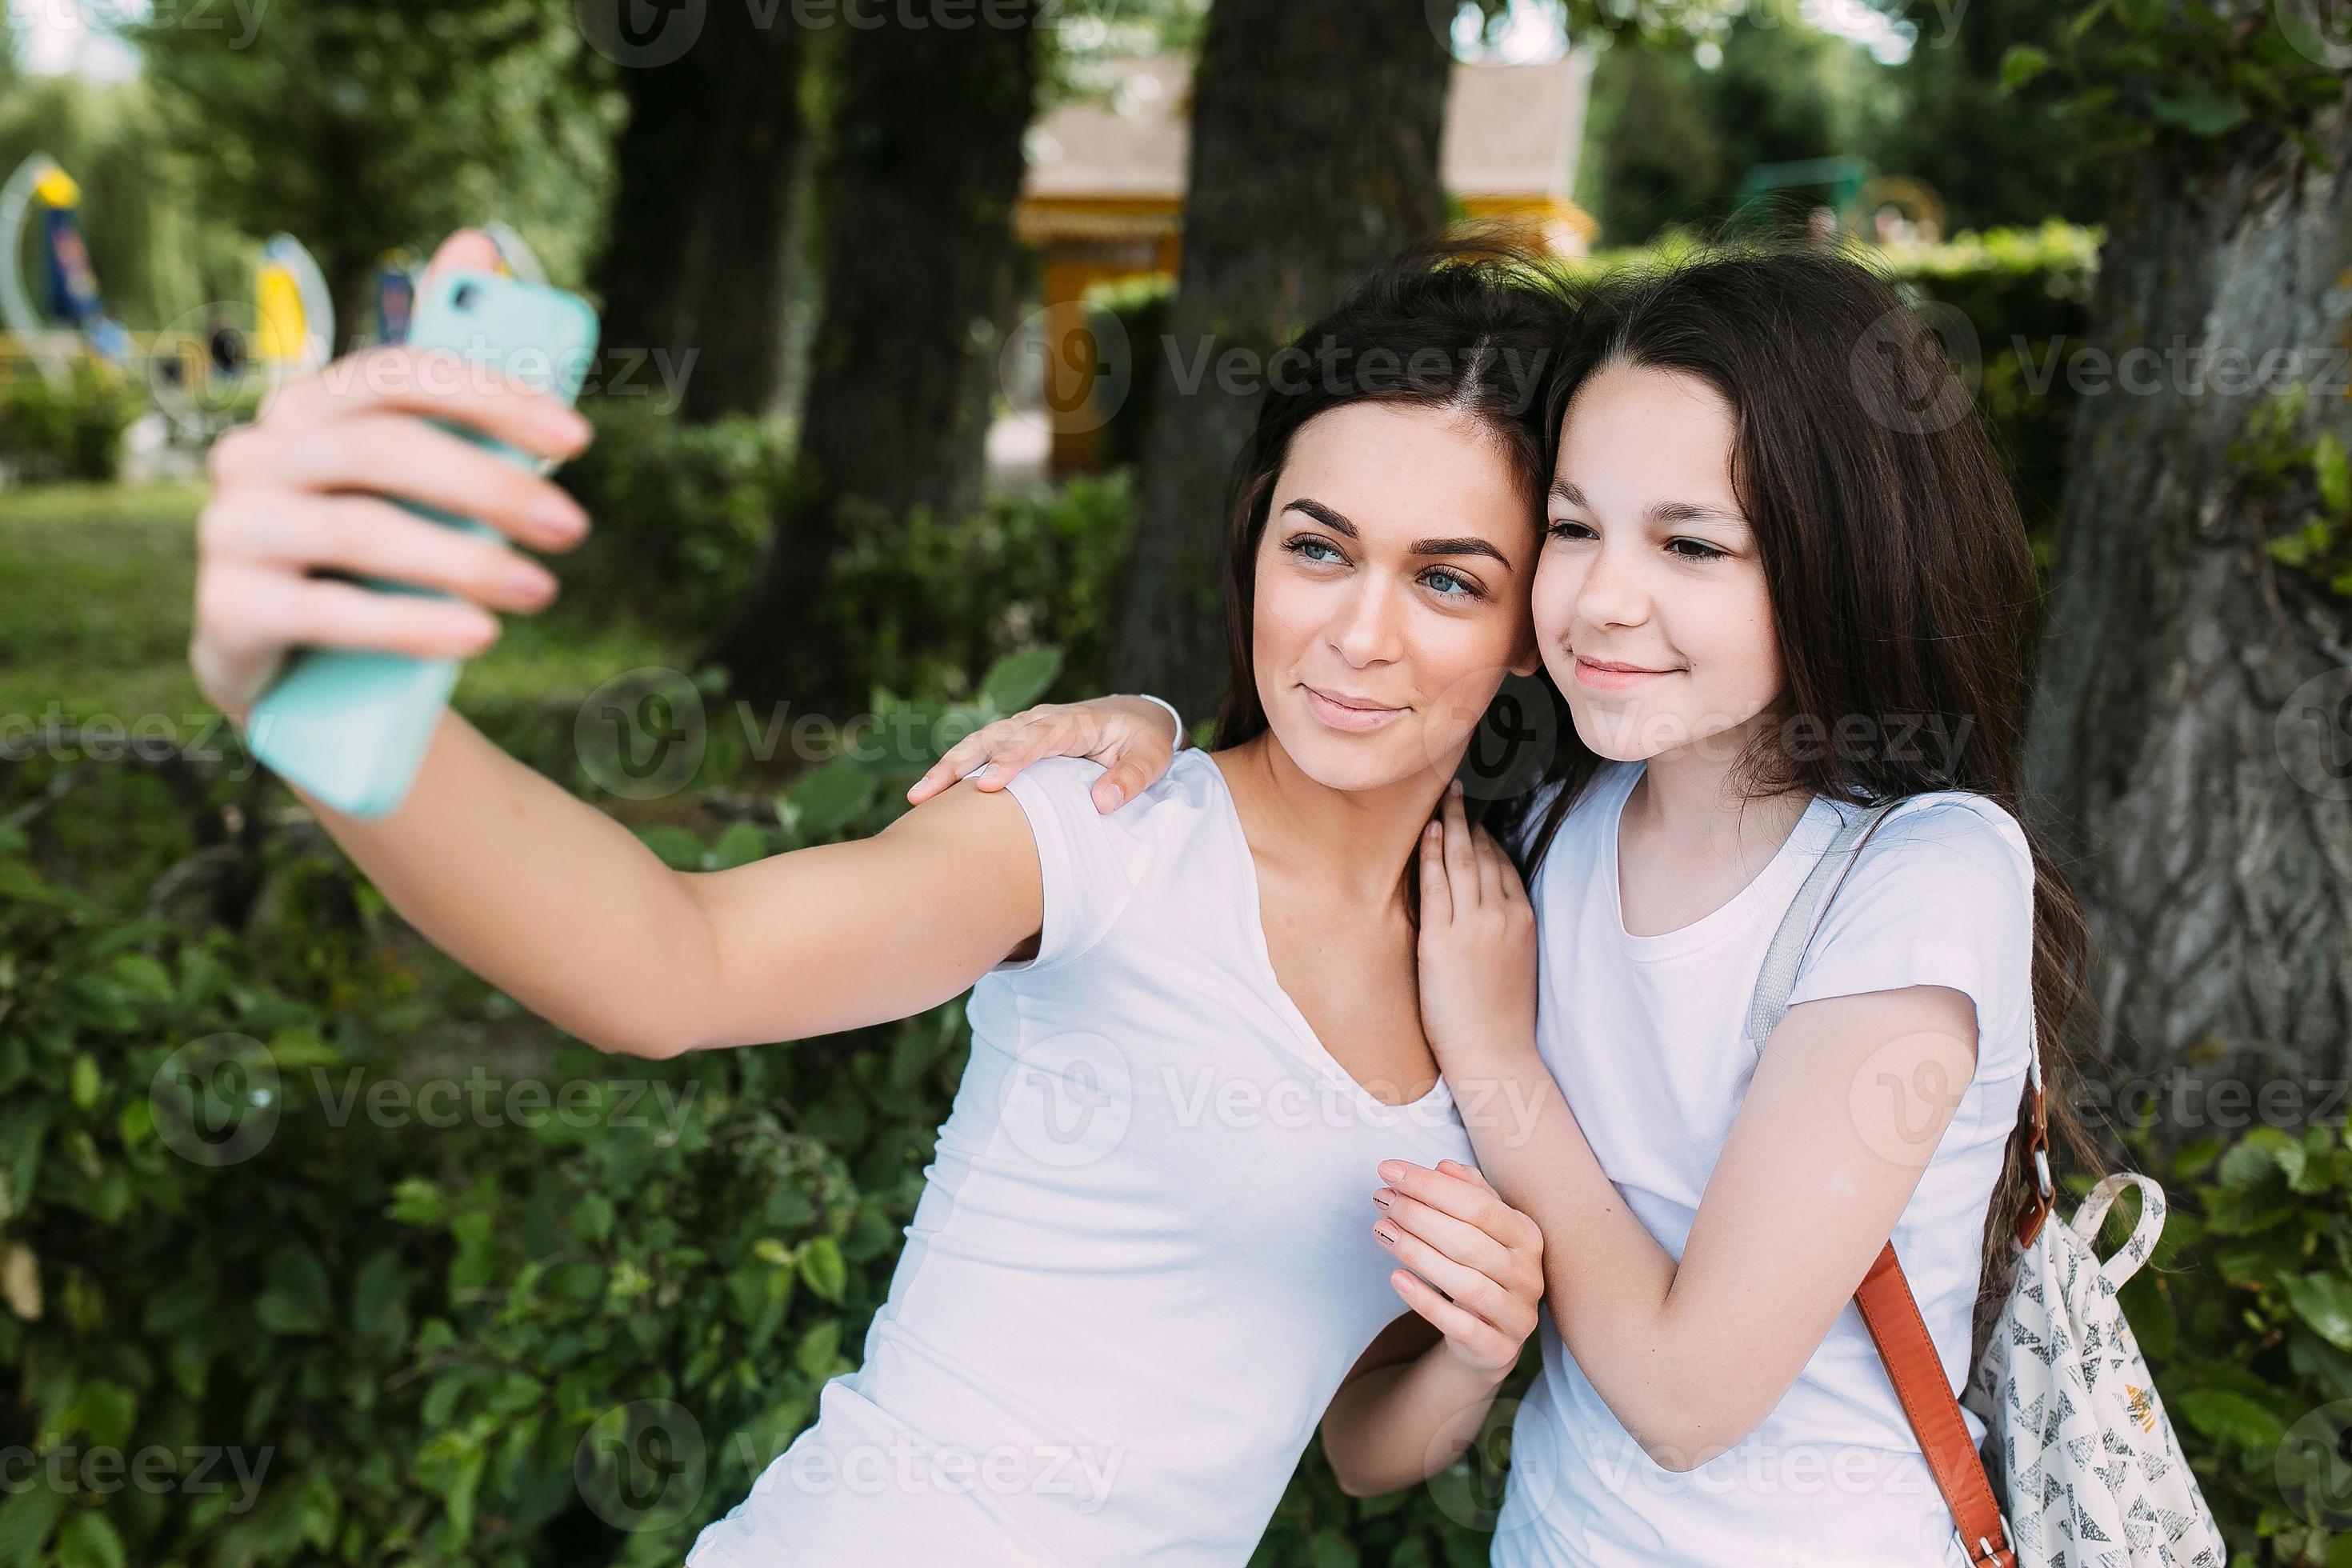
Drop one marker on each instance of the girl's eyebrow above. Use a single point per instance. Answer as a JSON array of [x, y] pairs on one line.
[[1341, 525], [1664, 511]]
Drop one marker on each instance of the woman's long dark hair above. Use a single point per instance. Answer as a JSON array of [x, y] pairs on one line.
[[1902, 585], [1472, 326]]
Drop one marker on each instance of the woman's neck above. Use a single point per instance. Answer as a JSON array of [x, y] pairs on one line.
[[1360, 843], [1691, 797]]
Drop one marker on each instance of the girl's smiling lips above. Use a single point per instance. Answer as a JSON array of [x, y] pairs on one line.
[[1607, 675], [1353, 714]]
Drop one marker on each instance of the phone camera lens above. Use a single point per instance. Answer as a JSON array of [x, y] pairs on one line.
[[464, 299]]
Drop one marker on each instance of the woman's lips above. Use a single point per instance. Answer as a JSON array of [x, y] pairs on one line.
[[1602, 675], [1352, 714]]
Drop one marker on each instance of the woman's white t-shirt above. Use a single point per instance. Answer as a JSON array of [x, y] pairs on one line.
[[1143, 1260], [1646, 1038]]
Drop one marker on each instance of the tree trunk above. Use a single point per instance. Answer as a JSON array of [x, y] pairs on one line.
[[2191, 740], [695, 258], [1315, 156], [918, 280]]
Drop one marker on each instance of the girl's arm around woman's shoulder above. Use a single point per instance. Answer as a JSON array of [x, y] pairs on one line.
[[1850, 1099]]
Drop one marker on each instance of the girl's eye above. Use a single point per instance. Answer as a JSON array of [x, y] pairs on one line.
[[1449, 586], [1695, 550], [1307, 544], [1567, 527]]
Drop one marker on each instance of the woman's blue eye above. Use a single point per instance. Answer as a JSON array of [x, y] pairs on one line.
[[1307, 544], [1441, 576]]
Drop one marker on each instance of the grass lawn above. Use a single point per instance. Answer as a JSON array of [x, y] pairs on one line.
[[96, 591]]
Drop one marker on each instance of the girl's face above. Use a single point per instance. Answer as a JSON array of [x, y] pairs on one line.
[[1650, 602], [1392, 580]]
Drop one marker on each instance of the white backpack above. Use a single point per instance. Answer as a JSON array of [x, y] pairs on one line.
[[2084, 1454]]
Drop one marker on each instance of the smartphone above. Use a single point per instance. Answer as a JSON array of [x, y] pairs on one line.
[[349, 725]]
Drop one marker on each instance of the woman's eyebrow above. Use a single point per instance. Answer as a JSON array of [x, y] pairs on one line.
[[1664, 511], [1341, 525]]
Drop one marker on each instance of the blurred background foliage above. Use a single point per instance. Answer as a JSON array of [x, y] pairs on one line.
[[422, 1333]]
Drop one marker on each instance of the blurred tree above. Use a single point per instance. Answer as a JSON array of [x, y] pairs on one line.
[[1992, 165], [361, 127], [695, 257], [918, 267], [2191, 742], [1314, 156], [1669, 137]]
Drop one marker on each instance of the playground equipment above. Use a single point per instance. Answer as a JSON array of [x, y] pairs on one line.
[[41, 188], [294, 313]]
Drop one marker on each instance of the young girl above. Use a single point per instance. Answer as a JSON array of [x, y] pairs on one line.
[[1774, 590], [1143, 1265]]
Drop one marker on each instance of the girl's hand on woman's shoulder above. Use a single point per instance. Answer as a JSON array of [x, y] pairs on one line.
[[1451, 1230], [1134, 737], [1477, 947]]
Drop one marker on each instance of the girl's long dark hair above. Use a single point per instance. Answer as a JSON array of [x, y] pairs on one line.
[[1473, 326], [1902, 585]]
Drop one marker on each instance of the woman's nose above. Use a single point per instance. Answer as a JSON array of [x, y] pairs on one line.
[[1368, 630]]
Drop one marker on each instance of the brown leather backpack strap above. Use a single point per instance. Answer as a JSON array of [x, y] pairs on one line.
[[1892, 1315]]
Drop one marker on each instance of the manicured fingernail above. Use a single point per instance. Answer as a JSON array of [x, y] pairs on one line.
[[1390, 1170], [1455, 789], [1385, 1233], [1381, 1198], [561, 516]]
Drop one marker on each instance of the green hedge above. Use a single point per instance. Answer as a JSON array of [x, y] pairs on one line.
[[69, 432], [420, 1326]]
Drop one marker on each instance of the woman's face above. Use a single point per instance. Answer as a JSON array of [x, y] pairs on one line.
[[1392, 580], [1650, 603]]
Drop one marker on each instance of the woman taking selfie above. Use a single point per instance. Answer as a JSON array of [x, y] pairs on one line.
[[1136, 1278]]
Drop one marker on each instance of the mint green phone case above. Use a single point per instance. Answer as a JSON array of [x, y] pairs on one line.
[[351, 726]]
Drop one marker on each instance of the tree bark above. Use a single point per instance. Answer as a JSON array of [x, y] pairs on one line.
[[1315, 126], [695, 259], [2189, 769], [918, 276]]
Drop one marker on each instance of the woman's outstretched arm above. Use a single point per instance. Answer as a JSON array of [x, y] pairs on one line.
[[540, 894]]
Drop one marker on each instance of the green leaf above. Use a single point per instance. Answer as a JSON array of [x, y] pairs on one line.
[[26, 1520], [2323, 1301], [818, 1348], [87, 1540], [741, 844], [379, 1293], [831, 798], [2020, 65], [2335, 473], [678, 849], [2200, 109], [87, 1082], [1018, 679], [823, 1268], [299, 1299], [2230, 1417]]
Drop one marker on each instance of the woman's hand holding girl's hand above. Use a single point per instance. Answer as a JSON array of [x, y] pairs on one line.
[[1133, 739], [1484, 1257], [1477, 947], [304, 489]]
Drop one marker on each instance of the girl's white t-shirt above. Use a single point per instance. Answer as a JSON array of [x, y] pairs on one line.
[[1646, 1038], [1143, 1260]]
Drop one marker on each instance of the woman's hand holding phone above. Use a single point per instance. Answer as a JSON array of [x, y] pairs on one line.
[[303, 489]]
